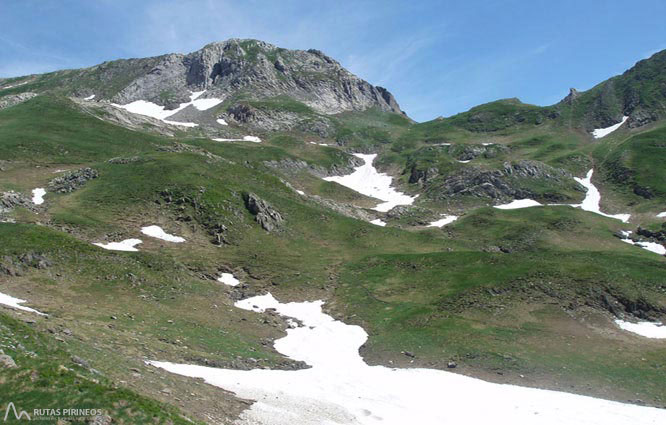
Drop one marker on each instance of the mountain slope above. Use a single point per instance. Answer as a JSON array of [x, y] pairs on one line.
[[526, 297], [639, 93]]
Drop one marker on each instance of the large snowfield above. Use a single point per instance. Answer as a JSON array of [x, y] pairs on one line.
[[368, 181], [340, 388]]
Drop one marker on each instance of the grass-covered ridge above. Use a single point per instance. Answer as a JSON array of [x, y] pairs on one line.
[[46, 376]]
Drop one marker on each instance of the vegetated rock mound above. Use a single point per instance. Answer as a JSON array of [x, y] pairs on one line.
[[73, 180], [638, 93], [10, 200], [258, 70], [17, 266], [503, 184], [264, 214], [290, 166], [275, 117]]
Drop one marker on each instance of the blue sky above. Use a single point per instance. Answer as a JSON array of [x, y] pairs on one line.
[[436, 57]]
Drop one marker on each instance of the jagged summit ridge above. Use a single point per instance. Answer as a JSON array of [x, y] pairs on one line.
[[256, 69]]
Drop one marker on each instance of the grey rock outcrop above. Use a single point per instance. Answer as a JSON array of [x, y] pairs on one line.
[[501, 184], [10, 200], [264, 214], [15, 99], [72, 180]]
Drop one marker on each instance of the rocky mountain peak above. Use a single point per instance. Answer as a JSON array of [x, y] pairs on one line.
[[257, 70]]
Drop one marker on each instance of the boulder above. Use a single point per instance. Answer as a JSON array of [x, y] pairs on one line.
[[73, 180], [269, 218]]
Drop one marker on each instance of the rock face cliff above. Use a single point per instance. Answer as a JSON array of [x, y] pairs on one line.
[[255, 70]]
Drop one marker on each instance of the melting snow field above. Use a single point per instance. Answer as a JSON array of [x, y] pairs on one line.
[[601, 132], [443, 221], [378, 222], [12, 302], [143, 107], [650, 246], [126, 245], [590, 203], [254, 139], [653, 247], [38, 196], [159, 233], [518, 203], [340, 388], [91, 97], [228, 279], [646, 329], [221, 121], [593, 198], [662, 214], [368, 181]]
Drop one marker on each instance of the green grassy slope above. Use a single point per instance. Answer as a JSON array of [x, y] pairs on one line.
[[523, 292]]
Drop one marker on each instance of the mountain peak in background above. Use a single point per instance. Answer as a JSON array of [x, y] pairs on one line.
[[234, 68]]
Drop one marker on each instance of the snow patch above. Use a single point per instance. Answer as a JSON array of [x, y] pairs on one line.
[[300, 192], [126, 245], [601, 132], [12, 302], [340, 387], [464, 161], [593, 198], [518, 203], [91, 97], [378, 222], [182, 124], [150, 109], [228, 279], [38, 196], [653, 247], [443, 221], [221, 121], [254, 139], [368, 181], [662, 215], [646, 329], [650, 246], [15, 85], [159, 233]]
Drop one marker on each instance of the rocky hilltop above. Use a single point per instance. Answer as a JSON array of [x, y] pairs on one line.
[[259, 70], [639, 93], [230, 70]]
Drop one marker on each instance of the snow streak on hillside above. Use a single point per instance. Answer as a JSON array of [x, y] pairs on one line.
[[368, 181]]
